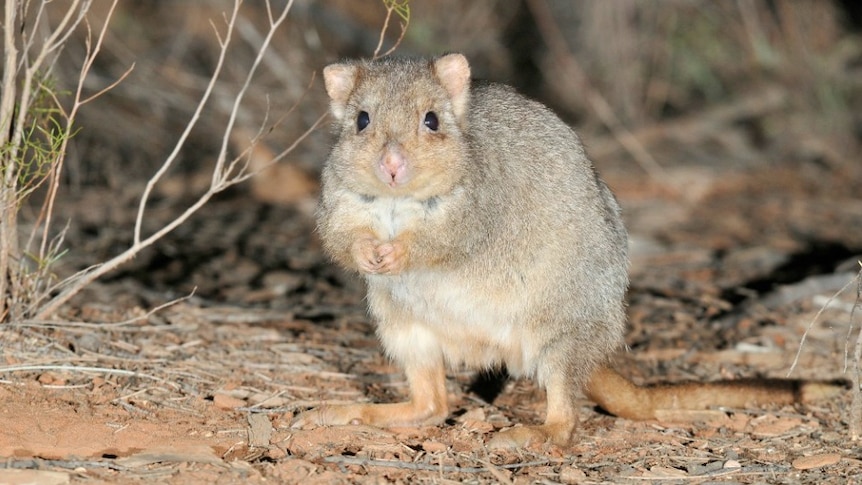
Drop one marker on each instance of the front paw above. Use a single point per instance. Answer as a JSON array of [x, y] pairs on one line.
[[375, 257], [392, 257], [364, 252]]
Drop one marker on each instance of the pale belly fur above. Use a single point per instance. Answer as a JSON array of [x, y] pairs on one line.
[[431, 312]]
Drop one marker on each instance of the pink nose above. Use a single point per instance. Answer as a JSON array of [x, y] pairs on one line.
[[393, 162], [393, 167]]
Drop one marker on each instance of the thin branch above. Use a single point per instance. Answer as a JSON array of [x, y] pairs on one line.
[[814, 320], [219, 175], [109, 87], [15, 108], [57, 167], [8, 100], [398, 40], [105, 325], [75, 284], [66, 27], [852, 325], [245, 176], [55, 41], [169, 161], [57, 37], [10, 56], [27, 42], [39, 464], [406, 465], [856, 406], [383, 30], [75, 368], [269, 12], [245, 155], [391, 7]]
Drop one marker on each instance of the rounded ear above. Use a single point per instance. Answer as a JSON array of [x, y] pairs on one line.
[[453, 72], [339, 79]]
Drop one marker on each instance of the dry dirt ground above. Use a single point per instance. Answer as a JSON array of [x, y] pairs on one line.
[[730, 267]]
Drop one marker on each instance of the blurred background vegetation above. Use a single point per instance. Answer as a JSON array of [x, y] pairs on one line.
[[694, 81], [669, 97]]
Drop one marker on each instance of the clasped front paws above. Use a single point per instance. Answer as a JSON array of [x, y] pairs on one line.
[[376, 257]]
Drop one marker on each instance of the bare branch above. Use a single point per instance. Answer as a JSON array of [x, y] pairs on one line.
[[191, 124], [311, 129], [220, 181], [392, 6], [57, 167], [398, 40], [269, 12], [109, 87], [105, 325], [76, 368], [855, 417], [10, 70], [218, 172], [383, 30], [65, 28], [814, 320], [351, 460]]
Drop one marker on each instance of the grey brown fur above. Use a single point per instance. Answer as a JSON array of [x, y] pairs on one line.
[[486, 239]]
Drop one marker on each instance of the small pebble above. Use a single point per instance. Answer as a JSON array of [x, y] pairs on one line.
[[433, 446], [223, 401]]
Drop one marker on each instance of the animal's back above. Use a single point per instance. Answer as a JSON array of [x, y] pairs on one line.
[[556, 221]]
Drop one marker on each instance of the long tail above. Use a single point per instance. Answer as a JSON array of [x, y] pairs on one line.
[[620, 397]]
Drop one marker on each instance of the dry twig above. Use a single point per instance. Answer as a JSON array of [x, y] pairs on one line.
[[857, 279], [23, 72], [856, 378], [225, 173], [405, 465], [402, 9], [76, 368]]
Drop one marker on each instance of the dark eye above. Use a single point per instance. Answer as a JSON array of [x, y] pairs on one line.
[[431, 121], [362, 120]]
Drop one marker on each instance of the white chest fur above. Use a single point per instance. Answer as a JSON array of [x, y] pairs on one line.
[[391, 215]]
